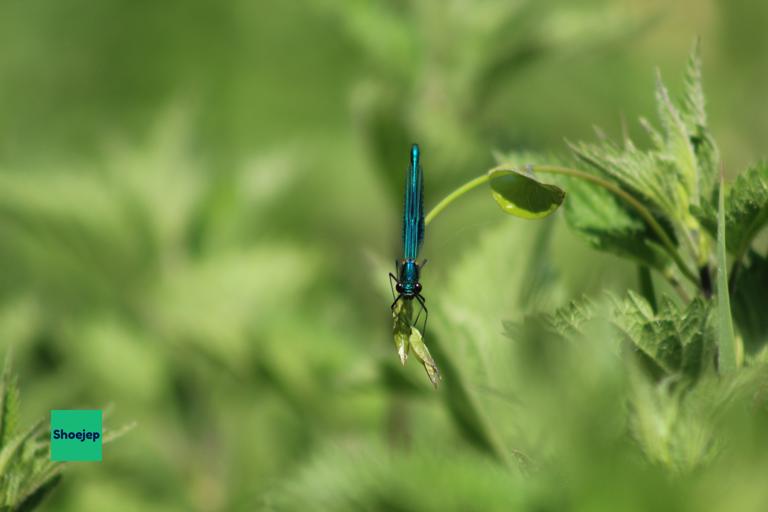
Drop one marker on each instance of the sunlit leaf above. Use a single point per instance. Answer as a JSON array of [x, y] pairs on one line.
[[677, 145], [519, 193], [650, 175], [422, 353], [408, 337], [694, 115]]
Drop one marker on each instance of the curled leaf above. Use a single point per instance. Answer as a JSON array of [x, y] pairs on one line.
[[401, 328], [408, 337], [519, 193], [422, 354]]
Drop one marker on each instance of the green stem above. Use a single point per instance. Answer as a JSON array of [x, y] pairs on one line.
[[442, 205], [575, 173]]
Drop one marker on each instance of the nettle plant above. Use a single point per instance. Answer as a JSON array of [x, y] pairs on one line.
[[27, 473], [667, 209]]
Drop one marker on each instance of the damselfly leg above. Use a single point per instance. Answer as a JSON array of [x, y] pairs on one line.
[[426, 315], [392, 279]]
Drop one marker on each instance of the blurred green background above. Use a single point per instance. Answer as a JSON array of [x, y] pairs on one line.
[[199, 202]]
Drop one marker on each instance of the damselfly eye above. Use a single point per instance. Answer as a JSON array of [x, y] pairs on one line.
[[418, 287], [399, 288]]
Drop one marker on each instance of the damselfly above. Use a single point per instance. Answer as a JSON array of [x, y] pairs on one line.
[[406, 281]]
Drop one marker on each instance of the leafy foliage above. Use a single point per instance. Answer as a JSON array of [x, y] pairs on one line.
[[609, 226], [676, 342], [372, 477], [694, 116], [408, 337], [208, 277], [140, 262], [672, 423], [27, 474], [670, 179], [747, 302], [676, 182], [649, 174], [746, 209], [570, 318]]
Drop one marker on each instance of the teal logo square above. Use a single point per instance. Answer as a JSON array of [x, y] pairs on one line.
[[76, 435]]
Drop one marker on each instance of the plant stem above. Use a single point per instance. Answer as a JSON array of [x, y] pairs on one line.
[[575, 173], [442, 205]]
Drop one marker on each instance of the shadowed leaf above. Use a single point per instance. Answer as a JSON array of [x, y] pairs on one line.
[[748, 300], [520, 194]]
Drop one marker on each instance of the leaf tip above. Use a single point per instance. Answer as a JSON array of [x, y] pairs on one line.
[[403, 354]]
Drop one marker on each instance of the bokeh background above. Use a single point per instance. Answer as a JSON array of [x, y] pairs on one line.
[[200, 200]]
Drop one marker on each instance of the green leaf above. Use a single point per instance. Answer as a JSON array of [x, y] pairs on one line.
[[422, 354], [598, 216], [674, 341], [749, 297], [677, 145], [12, 451], [695, 117], [520, 194], [9, 405], [679, 171], [401, 328], [408, 337], [693, 108], [466, 411], [725, 341], [571, 317], [670, 424], [34, 496], [648, 174], [465, 322], [746, 209], [27, 475]]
